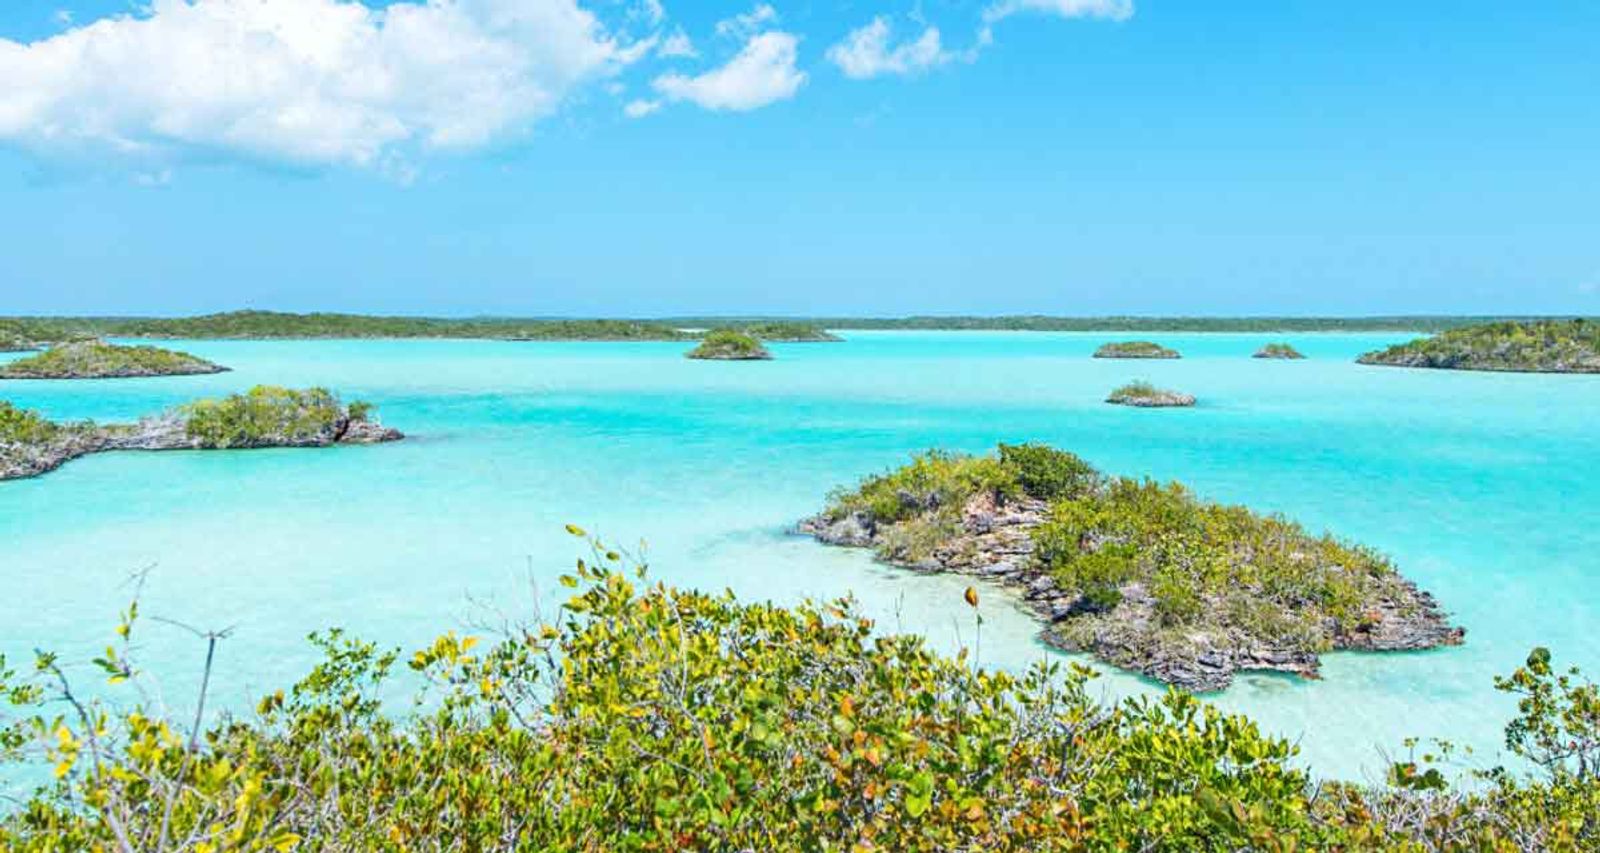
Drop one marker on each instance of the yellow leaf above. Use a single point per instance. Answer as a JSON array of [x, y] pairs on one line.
[[971, 596]]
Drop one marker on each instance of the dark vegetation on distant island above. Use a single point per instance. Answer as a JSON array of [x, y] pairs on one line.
[[1147, 396], [641, 717], [1279, 351], [729, 345], [785, 333], [1545, 346], [100, 360], [1041, 323], [31, 332], [268, 325], [1141, 574], [265, 416], [1135, 349]]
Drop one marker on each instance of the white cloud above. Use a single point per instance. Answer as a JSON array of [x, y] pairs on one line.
[[640, 108], [866, 53], [677, 46], [748, 24], [1115, 10], [304, 81], [651, 11], [763, 72]]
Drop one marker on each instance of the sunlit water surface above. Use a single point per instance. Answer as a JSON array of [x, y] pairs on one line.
[[1483, 487]]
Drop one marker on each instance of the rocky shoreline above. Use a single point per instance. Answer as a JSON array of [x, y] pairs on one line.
[[167, 431], [994, 541], [1150, 398]]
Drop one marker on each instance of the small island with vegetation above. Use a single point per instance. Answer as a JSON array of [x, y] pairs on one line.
[[1142, 575], [1135, 349], [101, 360], [1146, 396], [1534, 346], [1279, 351], [729, 345], [265, 416]]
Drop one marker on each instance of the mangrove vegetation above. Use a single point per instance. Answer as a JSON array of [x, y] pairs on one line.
[[1143, 575], [265, 416], [1135, 349], [101, 360], [1544, 346], [729, 345], [641, 717]]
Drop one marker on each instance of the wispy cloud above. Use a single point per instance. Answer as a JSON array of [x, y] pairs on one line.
[[749, 23], [639, 108], [763, 72], [1115, 10], [677, 46], [867, 52]]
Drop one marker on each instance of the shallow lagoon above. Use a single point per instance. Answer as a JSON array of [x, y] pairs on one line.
[[1484, 487]]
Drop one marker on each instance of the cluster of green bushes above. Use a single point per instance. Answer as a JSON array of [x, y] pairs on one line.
[[1537, 346], [21, 426], [1204, 561], [90, 359], [268, 414], [646, 718], [729, 344], [918, 506]]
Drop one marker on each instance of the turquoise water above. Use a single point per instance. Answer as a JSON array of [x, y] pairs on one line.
[[1484, 487]]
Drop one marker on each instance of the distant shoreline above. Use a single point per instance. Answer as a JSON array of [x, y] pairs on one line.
[[265, 325]]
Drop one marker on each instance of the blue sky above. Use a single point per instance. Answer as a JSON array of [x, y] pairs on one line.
[[627, 158]]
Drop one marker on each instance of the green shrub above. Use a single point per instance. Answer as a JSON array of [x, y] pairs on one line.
[[1195, 556], [1047, 473], [932, 480], [729, 344], [264, 413], [20, 426], [646, 718]]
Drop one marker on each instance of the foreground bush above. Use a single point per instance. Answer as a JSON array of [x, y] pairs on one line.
[[649, 718]]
